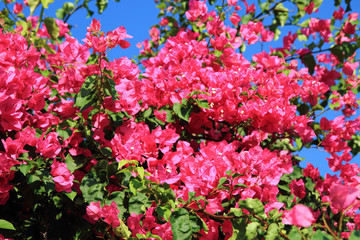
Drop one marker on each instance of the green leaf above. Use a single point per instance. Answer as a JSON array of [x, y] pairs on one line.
[[296, 174], [338, 52], [317, 107], [138, 203], [317, 3], [277, 33], [202, 103], [141, 172], [148, 235], [254, 205], [349, 49], [106, 151], [299, 143], [71, 195], [265, 7], [93, 59], [218, 53], [320, 235], [164, 211], [355, 235], [182, 110], [294, 234], [102, 5], [122, 231], [246, 19], [185, 224], [309, 62], [25, 168], [161, 6], [337, 3], [68, 7], [310, 185], [46, 3], [64, 133], [60, 13], [52, 27], [73, 164], [92, 189], [25, 26], [241, 185], [221, 181], [6, 225], [33, 4], [239, 228], [235, 212], [348, 7], [251, 230], [109, 88], [86, 97], [272, 231], [281, 14], [354, 144]]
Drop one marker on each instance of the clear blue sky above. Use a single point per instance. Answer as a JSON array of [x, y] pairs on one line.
[[137, 16]]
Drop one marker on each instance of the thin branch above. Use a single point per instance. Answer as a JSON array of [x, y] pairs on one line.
[[40, 20], [302, 236], [327, 227], [75, 9], [7, 7], [311, 52], [271, 9], [324, 111]]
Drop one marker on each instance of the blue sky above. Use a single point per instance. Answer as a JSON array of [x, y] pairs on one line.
[[137, 16]]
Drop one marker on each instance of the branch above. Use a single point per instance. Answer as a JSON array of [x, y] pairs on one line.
[[311, 52], [271, 9], [327, 226], [73, 11]]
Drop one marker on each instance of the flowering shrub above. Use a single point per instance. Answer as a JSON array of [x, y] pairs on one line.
[[200, 144]]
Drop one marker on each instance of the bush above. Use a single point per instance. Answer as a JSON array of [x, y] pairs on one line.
[[201, 143]]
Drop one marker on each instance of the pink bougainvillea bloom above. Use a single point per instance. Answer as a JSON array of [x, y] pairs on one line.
[[62, 177], [309, 9], [93, 211], [325, 124], [349, 28], [298, 188], [300, 215], [311, 171], [339, 14], [18, 8], [232, 2], [196, 9], [235, 18], [110, 214], [164, 21], [349, 68], [161, 115], [342, 196], [95, 26], [5, 187], [353, 16], [50, 147]]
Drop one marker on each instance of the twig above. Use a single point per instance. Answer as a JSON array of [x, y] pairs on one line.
[[327, 226], [311, 52], [271, 9]]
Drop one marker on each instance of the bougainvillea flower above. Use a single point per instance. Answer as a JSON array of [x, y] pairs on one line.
[[300, 215], [341, 196]]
